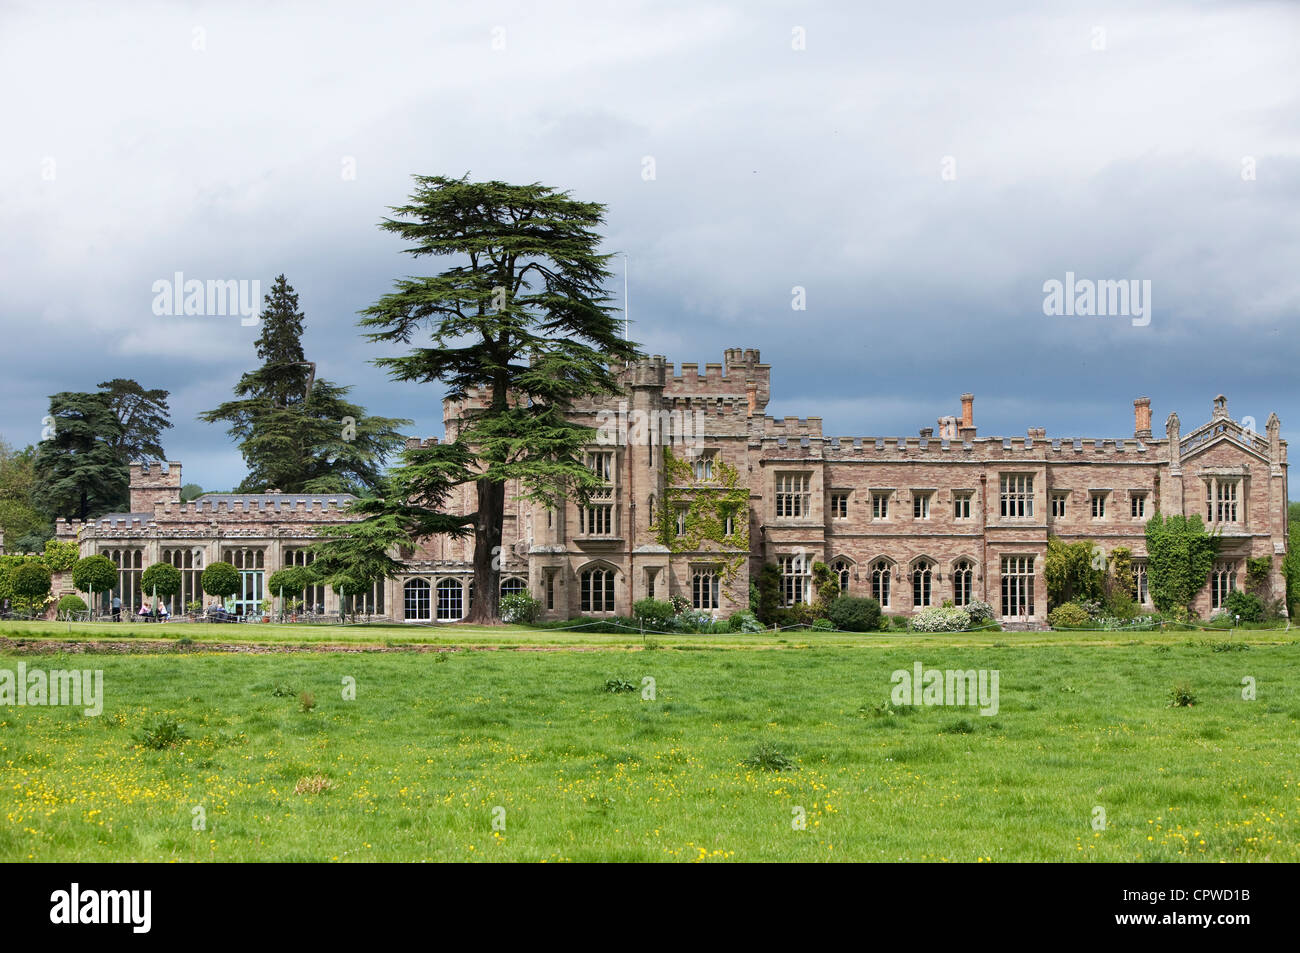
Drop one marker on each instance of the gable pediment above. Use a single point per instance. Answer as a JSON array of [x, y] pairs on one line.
[[1223, 430]]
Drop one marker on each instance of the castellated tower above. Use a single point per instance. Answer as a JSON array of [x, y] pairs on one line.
[[158, 482]]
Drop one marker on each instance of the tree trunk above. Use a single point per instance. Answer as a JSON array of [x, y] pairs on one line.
[[487, 552]]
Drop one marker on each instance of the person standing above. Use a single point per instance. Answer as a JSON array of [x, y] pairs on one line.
[[117, 608]]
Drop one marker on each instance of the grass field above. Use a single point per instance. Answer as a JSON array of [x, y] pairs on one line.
[[436, 746]]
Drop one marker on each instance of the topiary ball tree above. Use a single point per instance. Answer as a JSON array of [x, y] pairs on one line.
[[161, 579], [94, 572], [31, 581], [220, 579]]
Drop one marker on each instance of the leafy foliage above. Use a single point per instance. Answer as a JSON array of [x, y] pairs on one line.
[[854, 614], [94, 574], [68, 605], [220, 579], [520, 608], [1246, 606], [161, 578], [1070, 572], [655, 614], [1071, 615], [1180, 555], [30, 580], [767, 757], [22, 520]]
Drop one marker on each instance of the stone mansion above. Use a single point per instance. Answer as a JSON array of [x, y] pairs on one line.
[[701, 488]]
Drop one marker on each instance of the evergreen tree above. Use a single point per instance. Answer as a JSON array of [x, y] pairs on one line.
[[80, 474], [296, 433], [523, 313], [142, 416]]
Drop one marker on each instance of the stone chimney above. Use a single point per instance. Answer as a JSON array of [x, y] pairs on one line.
[[948, 427], [1142, 418], [1037, 433], [927, 432]]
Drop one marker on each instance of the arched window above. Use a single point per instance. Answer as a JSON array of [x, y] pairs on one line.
[[841, 569], [513, 586], [451, 596], [922, 579], [880, 582], [963, 573], [597, 590], [416, 592], [704, 589]]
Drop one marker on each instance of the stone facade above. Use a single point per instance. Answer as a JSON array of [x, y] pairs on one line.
[[702, 488]]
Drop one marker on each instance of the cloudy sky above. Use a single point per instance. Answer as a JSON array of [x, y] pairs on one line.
[[920, 169]]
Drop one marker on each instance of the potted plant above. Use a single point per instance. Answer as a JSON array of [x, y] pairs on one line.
[[194, 607], [295, 606], [266, 610]]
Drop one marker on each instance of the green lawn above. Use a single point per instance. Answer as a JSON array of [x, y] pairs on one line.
[[434, 743]]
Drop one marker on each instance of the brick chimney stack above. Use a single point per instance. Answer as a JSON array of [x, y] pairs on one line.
[[1142, 418], [967, 429]]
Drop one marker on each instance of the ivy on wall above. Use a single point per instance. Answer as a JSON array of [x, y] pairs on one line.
[[707, 505]]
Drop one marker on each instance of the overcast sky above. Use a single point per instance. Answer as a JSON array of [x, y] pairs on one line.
[[921, 169]]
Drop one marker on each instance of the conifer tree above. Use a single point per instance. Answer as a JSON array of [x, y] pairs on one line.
[[522, 312], [298, 433]]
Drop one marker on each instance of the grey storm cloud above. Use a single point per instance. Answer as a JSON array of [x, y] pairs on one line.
[[920, 170]]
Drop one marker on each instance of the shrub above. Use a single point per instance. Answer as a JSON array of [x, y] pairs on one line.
[[823, 625], [654, 614], [520, 608], [679, 603], [31, 580], [898, 622], [744, 621], [767, 757], [70, 604], [1180, 696], [220, 579], [1120, 605], [939, 619], [979, 612], [160, 733], [618, 685], [1068, 616], [854, 614], [1247, 605]]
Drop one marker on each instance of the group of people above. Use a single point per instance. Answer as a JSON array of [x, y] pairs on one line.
[[161, 613]]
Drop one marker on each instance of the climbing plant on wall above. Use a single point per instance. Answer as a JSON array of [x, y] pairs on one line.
[[707, 505]]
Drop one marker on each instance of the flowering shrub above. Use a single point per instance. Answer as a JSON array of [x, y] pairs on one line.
[[940, 619], [520, 607], [979, 612]]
